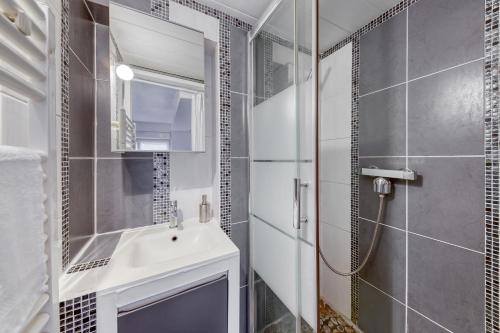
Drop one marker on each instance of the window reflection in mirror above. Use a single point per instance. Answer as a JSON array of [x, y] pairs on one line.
[[157, 84]]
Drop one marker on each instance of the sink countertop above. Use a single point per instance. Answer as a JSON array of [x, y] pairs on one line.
[[150, 253]]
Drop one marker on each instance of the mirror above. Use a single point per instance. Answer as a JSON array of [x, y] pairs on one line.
[[157, 84]]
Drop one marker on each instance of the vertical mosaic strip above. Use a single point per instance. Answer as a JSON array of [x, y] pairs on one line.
[[161, 187], [492, 167], [65, 131], [78, 315]]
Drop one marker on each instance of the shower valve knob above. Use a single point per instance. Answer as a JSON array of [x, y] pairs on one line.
[[381, 186]]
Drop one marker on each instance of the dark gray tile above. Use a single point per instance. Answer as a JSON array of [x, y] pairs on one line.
[[103, 114], [259, 65], [81, 33], [124, 193], [81, 203], [140, 5], [239, 189], [239, 128], [378, 313], [395, 203], [238, 60], [447, 201], [446, 284], [444, 33], [260, 303], [102, 247], [383, 55], [382, 123], [99, 10], [81, 110], [445, 113], [386, 269], [102, 52], [275, 309], [239, 235], [419, 324], [243, 310]]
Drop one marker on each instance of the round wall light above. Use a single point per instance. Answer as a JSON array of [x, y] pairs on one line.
[[124, 72]]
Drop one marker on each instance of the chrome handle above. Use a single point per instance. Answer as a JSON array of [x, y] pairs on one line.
[[297, 215]]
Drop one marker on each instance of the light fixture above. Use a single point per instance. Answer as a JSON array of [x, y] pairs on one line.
[[124, 72]]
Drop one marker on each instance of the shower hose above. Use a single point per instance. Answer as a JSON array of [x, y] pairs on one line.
[[370, 249]]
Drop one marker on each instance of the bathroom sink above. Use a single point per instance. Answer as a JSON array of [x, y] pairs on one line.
[[151, 247], [170, 248]]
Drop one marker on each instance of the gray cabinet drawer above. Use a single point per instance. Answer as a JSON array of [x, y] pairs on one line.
[[201, 309]]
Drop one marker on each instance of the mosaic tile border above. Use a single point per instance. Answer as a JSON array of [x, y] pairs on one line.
[[65, 131], [161, 187], [88, 265], [78, 315], [492, 166]]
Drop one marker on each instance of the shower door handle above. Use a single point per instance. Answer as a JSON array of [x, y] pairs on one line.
[[297, 194]]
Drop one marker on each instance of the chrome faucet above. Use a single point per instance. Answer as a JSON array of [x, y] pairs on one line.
[[173, 222]]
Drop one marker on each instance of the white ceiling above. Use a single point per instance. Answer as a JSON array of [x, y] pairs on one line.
[[147, 42], [338, 18]]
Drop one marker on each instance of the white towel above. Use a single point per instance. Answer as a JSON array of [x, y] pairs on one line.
[[23, 270]]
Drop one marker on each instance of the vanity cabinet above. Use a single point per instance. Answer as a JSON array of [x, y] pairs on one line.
[[200, 309]]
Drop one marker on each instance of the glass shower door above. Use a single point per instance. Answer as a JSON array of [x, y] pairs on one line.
[[282, 256]]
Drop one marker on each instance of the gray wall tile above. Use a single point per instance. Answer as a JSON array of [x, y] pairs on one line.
[[386, 269], [419, 324], [445, 113], [382, 123], [379, 313], [239, 189], [124, 193], [238, 60], [444, 33], [102, 247], [102, 52], [140, 5], [243, 310], [239, 235], [81, 33], [446, 284], [81, 110], [382, 66], [81, 203], [395, 203], [447, 201], [103, 119], [239, 128]]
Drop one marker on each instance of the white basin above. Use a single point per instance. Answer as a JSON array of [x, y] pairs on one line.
[[159, 245]]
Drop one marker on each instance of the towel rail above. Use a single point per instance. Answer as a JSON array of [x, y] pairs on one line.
[[27, 71], [13, 7], [9, 29], [20, 85], [19, 62]]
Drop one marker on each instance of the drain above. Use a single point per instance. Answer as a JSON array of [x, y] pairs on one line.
[[174, 238]]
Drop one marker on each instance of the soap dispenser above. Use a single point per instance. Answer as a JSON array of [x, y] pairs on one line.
[[204, 209]]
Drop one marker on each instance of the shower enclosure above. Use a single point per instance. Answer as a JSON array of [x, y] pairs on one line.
[[282, 198], [341, 94]]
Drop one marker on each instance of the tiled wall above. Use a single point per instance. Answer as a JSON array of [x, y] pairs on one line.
[[239, 161], [81, 125], [421, 107]]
